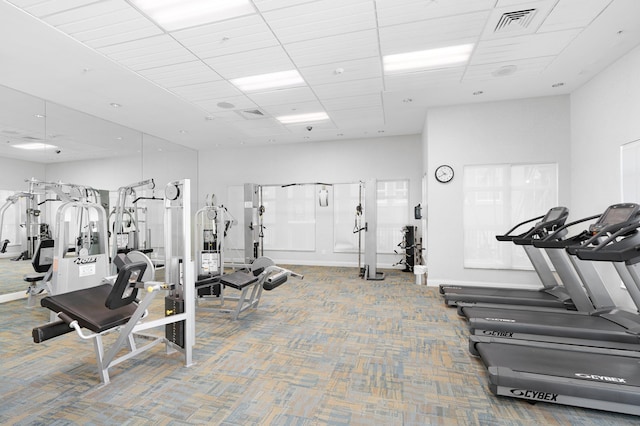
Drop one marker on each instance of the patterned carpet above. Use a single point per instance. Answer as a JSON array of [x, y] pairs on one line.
[[329, 350]]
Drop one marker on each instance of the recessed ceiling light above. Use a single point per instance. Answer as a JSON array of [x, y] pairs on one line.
[[118, 138], [34, 146], [478, 92], [177, 14], [338, 71], [115, 105], [557, 85], [268, 81], [182, 132], [226, 105], [427, 59], [39, 116], [303, 118]]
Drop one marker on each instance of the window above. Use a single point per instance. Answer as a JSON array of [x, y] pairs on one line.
[[496, 197], [289, 217], [393, 208]]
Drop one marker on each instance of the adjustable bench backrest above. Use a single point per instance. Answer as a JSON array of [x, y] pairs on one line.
[[123, 293]]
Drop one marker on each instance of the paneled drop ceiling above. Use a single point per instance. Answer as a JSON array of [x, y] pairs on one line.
[[88, 54]]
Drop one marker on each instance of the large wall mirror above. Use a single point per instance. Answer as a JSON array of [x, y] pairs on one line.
[[49, 142]]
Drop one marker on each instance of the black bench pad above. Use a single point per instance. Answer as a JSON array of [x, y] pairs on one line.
[[238, 279], [87, 306]]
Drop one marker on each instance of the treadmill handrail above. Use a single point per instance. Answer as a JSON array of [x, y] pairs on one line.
[[615, 235], [519, 225], [552, 236], [611, 237]]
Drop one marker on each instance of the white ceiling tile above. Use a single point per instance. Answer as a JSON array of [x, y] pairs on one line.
[[294, 108], [348, 118], [89, 11], [181, 74], [149, 53], [528, 46], [321, 19], [430, 34], [42, 8], [112, 28], [255, 62], [283, 96], [267, 5], [423, 80], [573, 14], [227, 37], [205, 91], [239, 102], [353, 102], [344, 47], [394, 12], [533, 66], [343, 71], [349, 88]]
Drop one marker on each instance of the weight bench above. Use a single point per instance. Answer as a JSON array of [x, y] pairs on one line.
[[109, 308], [264, 275]]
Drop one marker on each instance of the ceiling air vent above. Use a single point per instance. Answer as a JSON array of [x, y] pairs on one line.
[[515, 21], [252, 114]]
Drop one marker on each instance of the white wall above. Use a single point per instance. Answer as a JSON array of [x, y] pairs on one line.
[[388, 158], [519, 131], [604, 115]]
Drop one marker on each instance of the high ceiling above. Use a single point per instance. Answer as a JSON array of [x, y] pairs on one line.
[[89, 55]]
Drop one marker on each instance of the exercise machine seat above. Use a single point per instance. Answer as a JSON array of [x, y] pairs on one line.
[[238, 279], [102, 307]]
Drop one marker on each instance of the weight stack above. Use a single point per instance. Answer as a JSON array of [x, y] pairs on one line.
[[174, 332]]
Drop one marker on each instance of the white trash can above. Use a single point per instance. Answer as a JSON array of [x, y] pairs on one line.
[[421, 274]]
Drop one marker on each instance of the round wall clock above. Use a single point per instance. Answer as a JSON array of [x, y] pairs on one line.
[[444, 173]]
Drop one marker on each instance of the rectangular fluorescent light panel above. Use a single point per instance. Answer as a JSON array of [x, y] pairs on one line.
[[303, 118], [34, 145], [427, 59], [268, 81], [175, 15]]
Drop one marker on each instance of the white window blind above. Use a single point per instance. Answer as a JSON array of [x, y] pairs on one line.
[[393, 213], [289, 218], [496, 197]]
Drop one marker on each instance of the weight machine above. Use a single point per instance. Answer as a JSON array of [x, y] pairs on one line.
[[370, 212], [112, 306], [80, 248], [130, 234]]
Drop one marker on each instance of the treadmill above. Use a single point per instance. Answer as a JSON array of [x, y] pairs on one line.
[[580, 278], [551, 295], [616, 229], [599, 378]]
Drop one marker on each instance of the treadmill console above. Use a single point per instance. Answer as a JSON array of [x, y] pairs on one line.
[[555, 217], [619, 215]]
